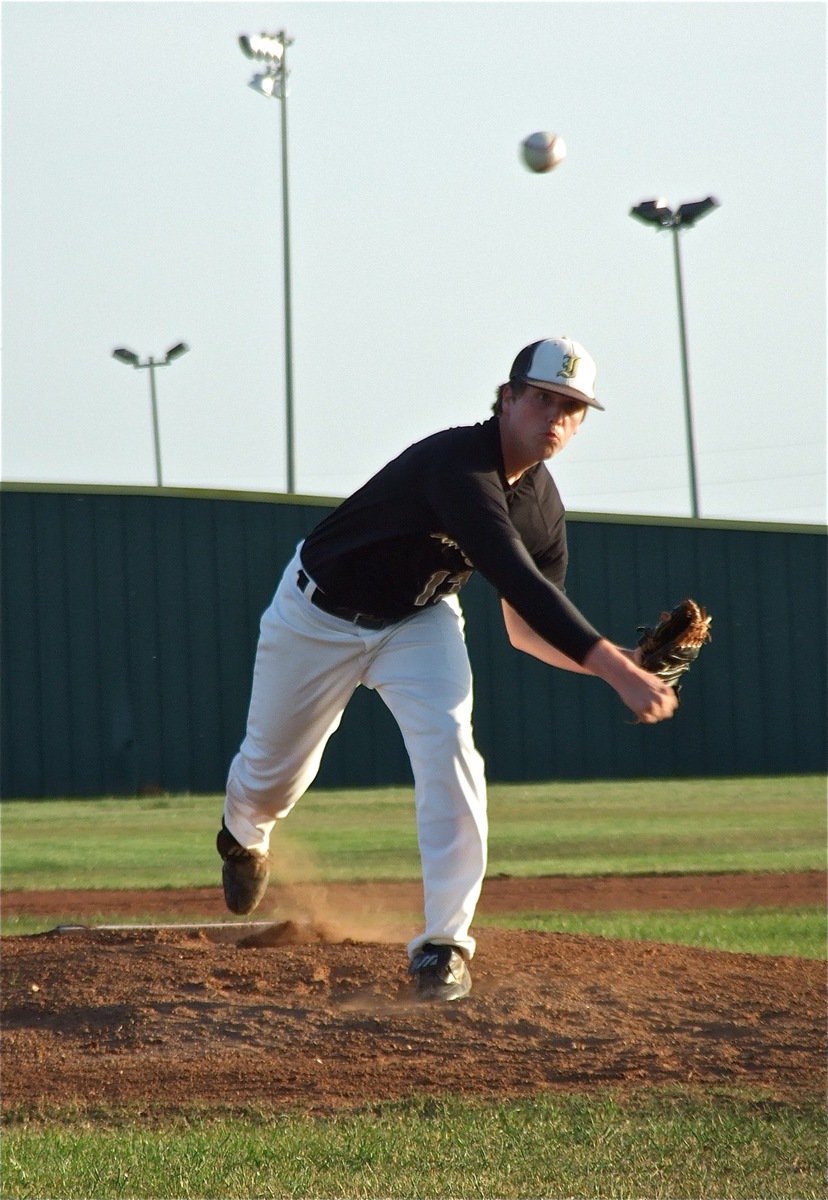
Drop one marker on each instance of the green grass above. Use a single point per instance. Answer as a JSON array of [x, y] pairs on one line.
[[656, 1144], [580, 828], [790, 931], [800, 932]]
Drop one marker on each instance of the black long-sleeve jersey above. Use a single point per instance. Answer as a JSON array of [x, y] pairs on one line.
[[443, 508]]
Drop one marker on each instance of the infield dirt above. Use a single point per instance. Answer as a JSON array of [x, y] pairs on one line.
[[309, 1014]]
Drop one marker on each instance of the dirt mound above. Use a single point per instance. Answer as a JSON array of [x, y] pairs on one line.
[[166, 1017], [289, 933]]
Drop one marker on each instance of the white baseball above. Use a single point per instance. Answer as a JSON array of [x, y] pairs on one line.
[[543, 151]]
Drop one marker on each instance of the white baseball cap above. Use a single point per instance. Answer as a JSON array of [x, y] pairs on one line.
[[558, 364]]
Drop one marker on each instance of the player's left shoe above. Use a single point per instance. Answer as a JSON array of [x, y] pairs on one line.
[[440, 972], [244, 873]]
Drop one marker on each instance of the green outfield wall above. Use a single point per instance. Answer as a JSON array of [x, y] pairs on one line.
[[130, 617]]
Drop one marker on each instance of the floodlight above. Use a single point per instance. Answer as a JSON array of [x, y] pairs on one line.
[[268, 46], [270, 50], [131, 359], [268, 85], [653, 212], [659, 213], [690, 212]]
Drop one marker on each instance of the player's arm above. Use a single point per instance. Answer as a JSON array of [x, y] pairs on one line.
[[491, 542], [523, 637], [642, 692], [472, 509]]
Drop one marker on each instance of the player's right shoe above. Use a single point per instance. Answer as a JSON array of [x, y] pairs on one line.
[[244, 873], [440, 973]]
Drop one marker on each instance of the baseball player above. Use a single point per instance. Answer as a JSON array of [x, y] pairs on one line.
[[370, 598]]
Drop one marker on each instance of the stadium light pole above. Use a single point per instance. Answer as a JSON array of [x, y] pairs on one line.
[[659, 214], [271, 50], [131, 359]]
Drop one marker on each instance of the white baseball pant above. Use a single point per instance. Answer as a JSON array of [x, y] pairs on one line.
[[308, 665]]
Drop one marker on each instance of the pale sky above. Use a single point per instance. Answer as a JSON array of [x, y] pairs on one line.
[[141, 207]]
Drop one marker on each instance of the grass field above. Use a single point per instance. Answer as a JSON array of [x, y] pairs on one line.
[[746, 824], [659, 1144], [797, 931], [579, 828]]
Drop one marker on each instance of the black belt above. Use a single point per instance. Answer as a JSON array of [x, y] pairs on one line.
[[344, 614]]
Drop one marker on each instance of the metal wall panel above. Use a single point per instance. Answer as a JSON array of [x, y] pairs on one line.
[[130, 618], [755, 704]]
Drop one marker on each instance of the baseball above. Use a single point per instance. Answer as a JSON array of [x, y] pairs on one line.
[[542, 151]]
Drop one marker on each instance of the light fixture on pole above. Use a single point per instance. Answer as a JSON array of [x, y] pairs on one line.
[[271, 50], [659, 214], [132, 360]]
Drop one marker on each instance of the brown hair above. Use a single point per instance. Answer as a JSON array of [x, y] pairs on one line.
[[518, 387]]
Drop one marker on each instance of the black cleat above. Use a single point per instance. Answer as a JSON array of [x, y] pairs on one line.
[[244, 873], [440, 973]]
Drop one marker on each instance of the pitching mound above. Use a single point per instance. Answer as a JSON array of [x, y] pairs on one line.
[[291, 1016]]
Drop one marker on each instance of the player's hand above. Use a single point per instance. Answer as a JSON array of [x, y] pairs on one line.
[[647, 696]]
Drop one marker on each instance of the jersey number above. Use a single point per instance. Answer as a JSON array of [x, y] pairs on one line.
[[430, 590]]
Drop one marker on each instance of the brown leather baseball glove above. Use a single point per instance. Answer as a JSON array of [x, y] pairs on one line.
[[668, 648]]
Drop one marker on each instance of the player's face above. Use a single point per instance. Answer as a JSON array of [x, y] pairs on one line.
[[536, 425]]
